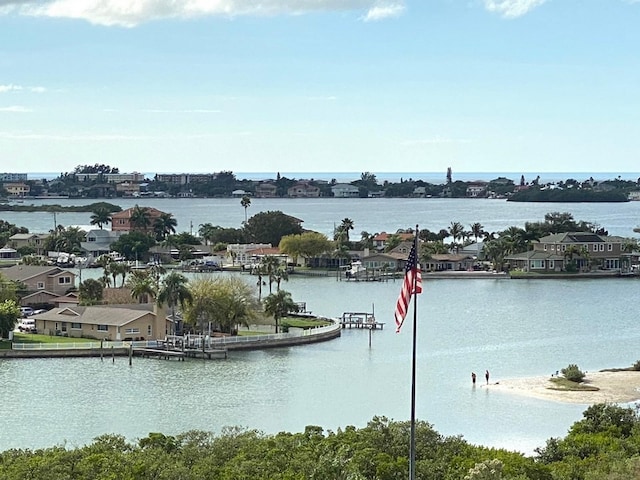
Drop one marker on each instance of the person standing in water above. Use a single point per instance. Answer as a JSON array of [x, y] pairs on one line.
[[473, 378], [486, 375]]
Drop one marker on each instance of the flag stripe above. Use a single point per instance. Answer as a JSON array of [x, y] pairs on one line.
[[412, 278]]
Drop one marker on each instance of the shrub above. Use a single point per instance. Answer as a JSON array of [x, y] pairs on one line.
[[573, 373], [636, 366]]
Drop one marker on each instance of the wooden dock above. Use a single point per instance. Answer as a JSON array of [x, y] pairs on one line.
[[360, 320]]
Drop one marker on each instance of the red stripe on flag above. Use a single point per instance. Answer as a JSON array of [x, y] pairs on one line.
[[412, 278]]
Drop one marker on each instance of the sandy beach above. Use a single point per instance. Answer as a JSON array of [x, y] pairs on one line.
[[615, 387]]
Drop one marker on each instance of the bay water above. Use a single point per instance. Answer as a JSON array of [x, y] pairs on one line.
[[513, 328]]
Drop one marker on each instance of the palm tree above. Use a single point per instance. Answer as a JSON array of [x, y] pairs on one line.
[[164, 225], [456, 230], [246, 203], [100, 216], [141, 285], [345, 226], [280, 274], [174, 291], [140, 218], [279, 304], [477, 230], [270, 265]]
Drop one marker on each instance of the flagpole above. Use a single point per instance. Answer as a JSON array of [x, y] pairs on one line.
[[412, 442]]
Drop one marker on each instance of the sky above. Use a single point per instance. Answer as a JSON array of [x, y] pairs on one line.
[[320, 85]]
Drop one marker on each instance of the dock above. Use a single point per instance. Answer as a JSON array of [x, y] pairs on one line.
[[360, 320]]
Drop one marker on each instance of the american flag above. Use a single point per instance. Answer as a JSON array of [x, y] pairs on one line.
[[412, 277]]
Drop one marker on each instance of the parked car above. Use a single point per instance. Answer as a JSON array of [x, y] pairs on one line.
[[27, 325], [26, 311]]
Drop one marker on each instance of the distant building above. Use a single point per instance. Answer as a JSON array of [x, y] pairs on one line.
[[121, 221], [17, 190], [476, 189], [13, 177], [42, 283], [266, 190], [33, 240], [303, 190], [345, 190], [111, 177]]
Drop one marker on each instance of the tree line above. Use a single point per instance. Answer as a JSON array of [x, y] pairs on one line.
[[603, 445]]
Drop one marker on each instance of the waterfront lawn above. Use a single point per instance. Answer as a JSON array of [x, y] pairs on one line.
[[298, 322], [37, 338], [562, 384]]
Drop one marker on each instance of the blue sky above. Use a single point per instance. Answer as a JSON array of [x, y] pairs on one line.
[[320, 85]]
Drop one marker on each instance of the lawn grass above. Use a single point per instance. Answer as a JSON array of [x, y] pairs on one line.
[[37, 338], [303, 322], [562, 384]]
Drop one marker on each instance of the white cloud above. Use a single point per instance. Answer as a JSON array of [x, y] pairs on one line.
[[15, 109], [9, 88], [512, 8], [129, 13], [381, 12], [17, 88]]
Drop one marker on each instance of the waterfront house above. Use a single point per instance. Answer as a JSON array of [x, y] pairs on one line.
[[266, 190], [380, 240], [345, 190], [43, 283], [303, 190], [441, 262], [98, 241], [17, 190], [121, 221], [33, 240], [585, 250], [240, 252], [384, 261], [106, 322], [477, 189]]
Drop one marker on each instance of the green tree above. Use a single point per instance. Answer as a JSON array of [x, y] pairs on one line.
[[246, 203], [456, 231], [270, 227], [174, 291], [142, 285], [278, 305], [9, 314], [308, 244], [140, 218], [225, 302], [90, 292], [134, 245], [100, 216], [164, 225]]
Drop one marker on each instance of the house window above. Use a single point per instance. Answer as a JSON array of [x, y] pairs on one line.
[[132, 330], [610, 247], [564, 247], [602, 247], [148, 330], [545, 247], [64, 280], [40, 285], [551, 264], [537, 264], [103, 328], [595, 247], [76, 326]]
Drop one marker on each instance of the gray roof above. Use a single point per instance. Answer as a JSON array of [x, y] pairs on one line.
[[25, 272]]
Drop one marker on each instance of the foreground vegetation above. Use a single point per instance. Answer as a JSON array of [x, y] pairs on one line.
[[604, 445]]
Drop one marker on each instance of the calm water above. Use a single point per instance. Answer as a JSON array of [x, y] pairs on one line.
[[371, 215], [513, 328]]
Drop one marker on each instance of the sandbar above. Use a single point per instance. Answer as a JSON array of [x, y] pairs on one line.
[[614, 387]]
